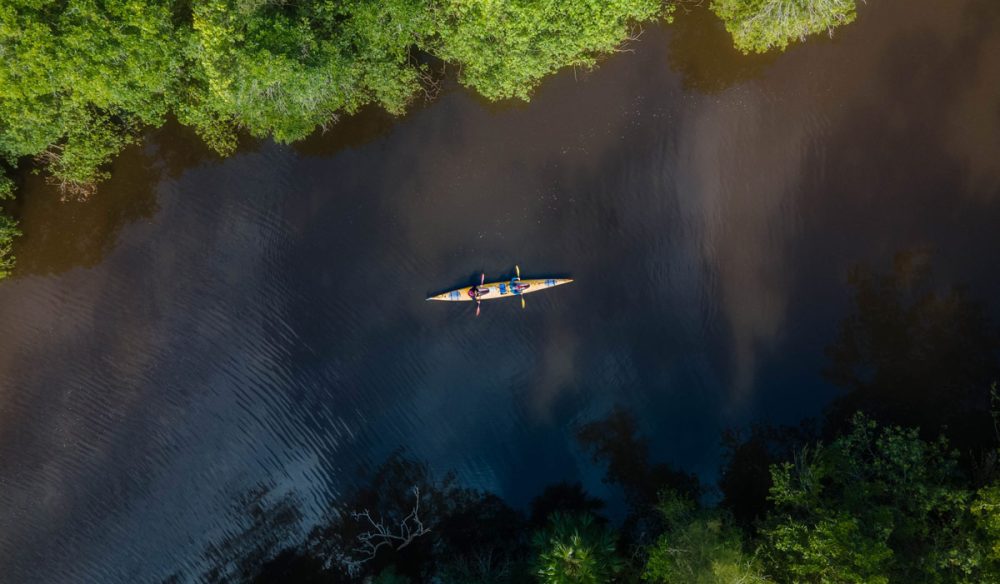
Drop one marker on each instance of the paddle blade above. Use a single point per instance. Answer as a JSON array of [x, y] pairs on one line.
[[517, 270], [477, 308], [482, 278], [522, 302]]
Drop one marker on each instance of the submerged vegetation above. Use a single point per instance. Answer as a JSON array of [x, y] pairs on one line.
[[82, 79]]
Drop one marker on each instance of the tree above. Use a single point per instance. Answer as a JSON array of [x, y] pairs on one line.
[[282, 70], [745, 480], [877, 505], [576, 549], [698, 547], [505, 48], [761, 25], [81, 78], [483, 541], [6, 186], [84, 78], [8, 231], [8, 228], [389, 576], [986, 510], [290, 565]]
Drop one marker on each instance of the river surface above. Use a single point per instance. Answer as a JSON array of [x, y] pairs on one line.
[[202, 328]]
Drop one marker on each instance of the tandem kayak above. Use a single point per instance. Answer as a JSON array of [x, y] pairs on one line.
[[503, 289]]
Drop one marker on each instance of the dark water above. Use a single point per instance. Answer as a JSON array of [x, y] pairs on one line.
[[202, 329]]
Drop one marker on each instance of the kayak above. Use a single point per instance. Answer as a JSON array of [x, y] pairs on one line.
[[513, 287], [504, 289]]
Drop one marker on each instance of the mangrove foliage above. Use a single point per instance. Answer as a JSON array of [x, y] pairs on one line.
[[82, 79]]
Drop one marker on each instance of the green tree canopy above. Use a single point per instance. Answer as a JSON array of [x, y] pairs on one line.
[[505, 48], [83, 78], [878, 505], [282, 70], [758, 26], [698, 547]]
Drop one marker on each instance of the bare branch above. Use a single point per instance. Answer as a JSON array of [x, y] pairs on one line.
[[381, 535]]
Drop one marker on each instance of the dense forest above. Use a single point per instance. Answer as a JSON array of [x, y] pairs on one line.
[[897, 483], [84, 78]]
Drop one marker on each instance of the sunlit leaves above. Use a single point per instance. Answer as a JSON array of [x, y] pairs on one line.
[[877, 505], [761, 25], [81, 77], [8, 231], [284, 70], [576, 549], [698, 546], [505, 48], [986, 510]]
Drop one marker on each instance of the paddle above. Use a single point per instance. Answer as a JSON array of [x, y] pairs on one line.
[[517, 270], [482, 279]]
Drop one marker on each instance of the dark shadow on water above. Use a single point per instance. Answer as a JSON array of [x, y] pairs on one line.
[[62, 233], [915, 355], [910, 353], [702, 52], [354, 131], [372, 122], [269, 524], [471, 535], [745, 475], [615, 442]]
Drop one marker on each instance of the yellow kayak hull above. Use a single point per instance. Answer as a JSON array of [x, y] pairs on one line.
[[495, 290]]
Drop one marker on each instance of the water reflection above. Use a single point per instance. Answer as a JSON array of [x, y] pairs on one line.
[[264, 524], [914, 355], [461, 535], [748, 218], [745, 477], [427, 528], [702, 52], [61, 234], [973, 127], [910, 352], [349, 132]]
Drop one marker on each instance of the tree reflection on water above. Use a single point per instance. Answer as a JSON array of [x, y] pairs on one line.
[[466, 535], [61, 234], [702, 51], [914, 355], [908, 354]]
